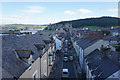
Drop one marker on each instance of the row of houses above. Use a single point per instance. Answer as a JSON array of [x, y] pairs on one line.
[[28, 56], [96, 57]]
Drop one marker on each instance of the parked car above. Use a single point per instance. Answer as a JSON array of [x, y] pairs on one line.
[[66, 49], [71, 57], [66, 42], [69, 44], [69, 47], [65, 59], [66, 55], [65, 73]]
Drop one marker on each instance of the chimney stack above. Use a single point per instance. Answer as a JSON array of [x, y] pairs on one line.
[[104, 51]]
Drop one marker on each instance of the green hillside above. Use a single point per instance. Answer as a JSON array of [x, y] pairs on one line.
[[100, 22]]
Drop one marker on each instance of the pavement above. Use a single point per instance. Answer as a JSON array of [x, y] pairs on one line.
[[56, 70]]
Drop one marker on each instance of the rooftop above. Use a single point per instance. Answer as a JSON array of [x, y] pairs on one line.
[[12, 44], [85, 42], [100, 67]]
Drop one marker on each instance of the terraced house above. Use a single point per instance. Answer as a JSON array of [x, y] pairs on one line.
[[103, 64], [84, 46], [27, 56]]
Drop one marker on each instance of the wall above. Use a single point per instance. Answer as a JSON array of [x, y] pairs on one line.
[[44, 65], [45, 68], [58, 43], [81, 57], [35, 68], [50, 67]]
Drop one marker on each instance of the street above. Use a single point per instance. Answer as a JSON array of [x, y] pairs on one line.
[[60, 64], [70, 64]]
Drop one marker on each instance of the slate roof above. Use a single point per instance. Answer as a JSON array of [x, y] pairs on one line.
[[115, 56], [85, 42], [10, 63], [112, 38], [101, 67], [5, 73]]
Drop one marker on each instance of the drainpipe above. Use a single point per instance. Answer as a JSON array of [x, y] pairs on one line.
[[40, 67], [47, 64]]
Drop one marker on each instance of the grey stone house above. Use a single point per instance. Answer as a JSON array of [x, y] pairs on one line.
[[84, 46], [27, 56], [99, 66]]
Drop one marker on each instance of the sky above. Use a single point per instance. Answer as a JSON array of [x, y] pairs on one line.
[[52, 12]]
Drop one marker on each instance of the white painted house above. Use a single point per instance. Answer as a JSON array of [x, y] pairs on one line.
[[58, 43]]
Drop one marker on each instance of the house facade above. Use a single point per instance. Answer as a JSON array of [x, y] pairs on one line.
[[84, 46]]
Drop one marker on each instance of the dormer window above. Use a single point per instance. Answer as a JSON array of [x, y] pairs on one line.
[[25, 55], [39, 46], [48, 41]]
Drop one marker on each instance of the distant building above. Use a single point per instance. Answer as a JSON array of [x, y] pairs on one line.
[[95, 34], [115, 32]]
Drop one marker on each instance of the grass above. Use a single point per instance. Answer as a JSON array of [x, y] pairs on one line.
[[97, 27]]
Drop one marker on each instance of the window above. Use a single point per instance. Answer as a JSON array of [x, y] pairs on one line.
[[45, 68], [35, 75], [53, 57], [50, 59]]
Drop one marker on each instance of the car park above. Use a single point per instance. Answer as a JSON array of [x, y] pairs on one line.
[[65, 73]]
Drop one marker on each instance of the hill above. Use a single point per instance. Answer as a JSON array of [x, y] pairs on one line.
[[104, 21]]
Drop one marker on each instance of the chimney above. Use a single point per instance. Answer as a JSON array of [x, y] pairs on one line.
[[105, 51]]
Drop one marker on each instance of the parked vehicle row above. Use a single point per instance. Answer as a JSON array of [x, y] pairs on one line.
[[67, 57]]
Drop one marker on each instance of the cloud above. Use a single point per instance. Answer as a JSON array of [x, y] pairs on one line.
[[69, 12], [35, 9], [16, 19], [84, 11], [113, 9]]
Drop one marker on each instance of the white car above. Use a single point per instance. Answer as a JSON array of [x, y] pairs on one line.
[[65, 73], [65, 59]]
